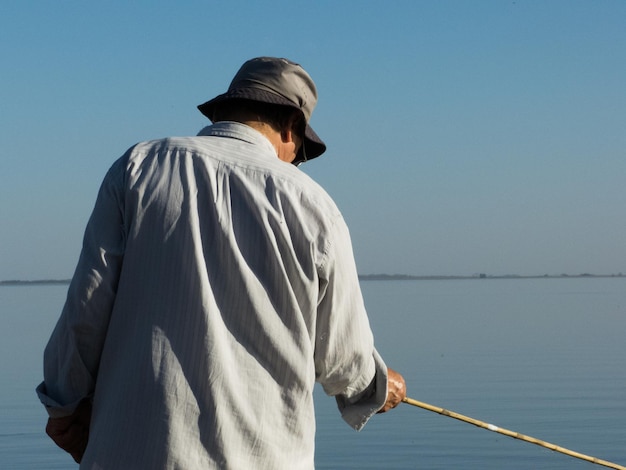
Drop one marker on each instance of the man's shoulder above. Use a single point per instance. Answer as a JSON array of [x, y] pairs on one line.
[[312, 195]]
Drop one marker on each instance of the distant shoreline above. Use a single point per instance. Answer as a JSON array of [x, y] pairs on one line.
[[376, 277], [407, 277], [35, 282]]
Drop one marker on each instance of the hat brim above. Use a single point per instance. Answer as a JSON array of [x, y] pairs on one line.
[[312, 147]]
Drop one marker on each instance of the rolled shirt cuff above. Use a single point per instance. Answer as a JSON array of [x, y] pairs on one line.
[[359, 409], [55, 409]]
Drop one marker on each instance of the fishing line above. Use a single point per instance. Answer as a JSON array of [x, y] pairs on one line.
[[516, 435]]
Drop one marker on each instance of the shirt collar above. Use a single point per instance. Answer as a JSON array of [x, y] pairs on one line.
[[236, 130]]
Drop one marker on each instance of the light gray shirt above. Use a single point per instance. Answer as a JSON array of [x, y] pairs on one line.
[[215, 285]]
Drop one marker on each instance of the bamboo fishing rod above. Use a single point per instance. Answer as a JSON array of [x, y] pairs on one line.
[[515, 435]]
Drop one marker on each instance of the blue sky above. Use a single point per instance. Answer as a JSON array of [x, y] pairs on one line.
[[464, 136]]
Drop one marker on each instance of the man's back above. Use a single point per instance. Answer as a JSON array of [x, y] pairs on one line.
[[216, 336]]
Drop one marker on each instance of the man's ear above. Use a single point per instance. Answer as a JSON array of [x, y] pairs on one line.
[[292, 129], [286, 135]]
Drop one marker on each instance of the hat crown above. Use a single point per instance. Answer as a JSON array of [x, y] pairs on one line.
[[280, 77]]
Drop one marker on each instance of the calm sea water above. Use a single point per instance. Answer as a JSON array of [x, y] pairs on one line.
[[543, 357]]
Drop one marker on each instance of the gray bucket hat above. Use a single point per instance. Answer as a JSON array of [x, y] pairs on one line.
[[275, 81]]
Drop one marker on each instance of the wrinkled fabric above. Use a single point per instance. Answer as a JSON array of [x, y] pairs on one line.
[[215, 286]]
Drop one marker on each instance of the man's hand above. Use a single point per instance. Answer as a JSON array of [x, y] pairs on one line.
[[71, 433], [396, 390]]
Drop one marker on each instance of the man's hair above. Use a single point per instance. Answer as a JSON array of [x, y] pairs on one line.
[[277, 116]]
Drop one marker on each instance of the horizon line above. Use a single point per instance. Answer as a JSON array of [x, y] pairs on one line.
[[385, 276]]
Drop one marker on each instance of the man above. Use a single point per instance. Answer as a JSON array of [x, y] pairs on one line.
[[216, 284]]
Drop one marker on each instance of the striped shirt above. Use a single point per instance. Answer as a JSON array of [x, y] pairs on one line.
[[215, 286]]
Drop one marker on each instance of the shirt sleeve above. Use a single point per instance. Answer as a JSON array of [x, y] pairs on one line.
[[72, 355], [346, 361]]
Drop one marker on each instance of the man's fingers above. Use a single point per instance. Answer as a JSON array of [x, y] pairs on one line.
[[72, 439], [396, 390]]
